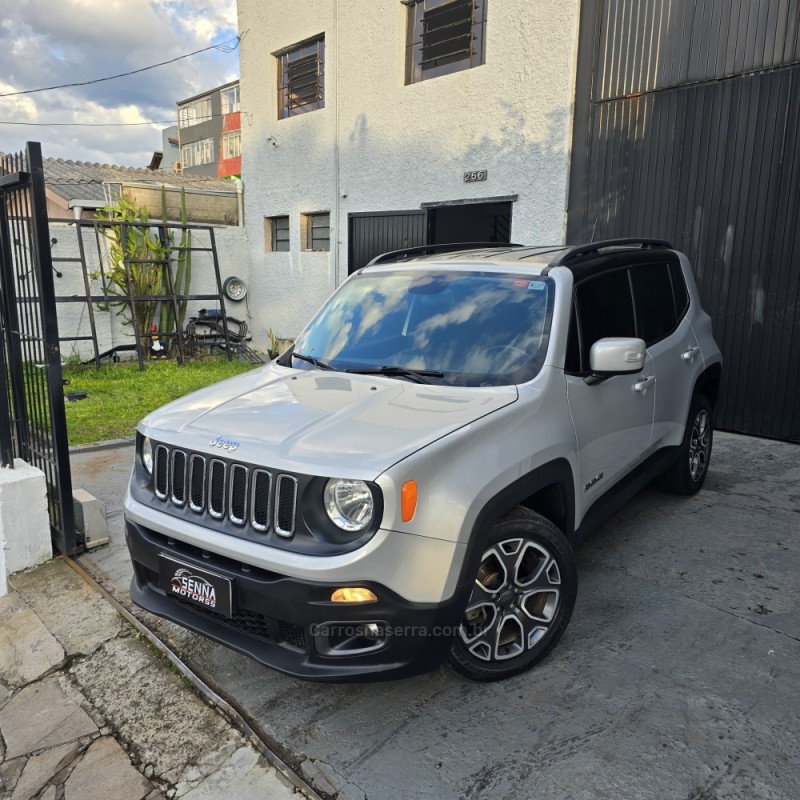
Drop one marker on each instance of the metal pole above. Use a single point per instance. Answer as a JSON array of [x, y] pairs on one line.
[[66, 536], [6, 438]]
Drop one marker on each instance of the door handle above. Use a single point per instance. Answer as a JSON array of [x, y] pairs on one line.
[[690, 353], [644, 383]]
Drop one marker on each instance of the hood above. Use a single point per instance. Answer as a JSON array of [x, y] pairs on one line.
[[313, 422]]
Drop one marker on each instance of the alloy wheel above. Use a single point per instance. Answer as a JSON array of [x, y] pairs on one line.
[[513, 602], [699, 444]]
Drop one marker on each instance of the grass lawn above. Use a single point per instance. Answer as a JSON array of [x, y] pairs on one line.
[[120, 395]]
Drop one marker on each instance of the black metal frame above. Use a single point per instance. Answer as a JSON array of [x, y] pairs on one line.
[[594, 248], [430, 249], [33, 426], [165, 233]]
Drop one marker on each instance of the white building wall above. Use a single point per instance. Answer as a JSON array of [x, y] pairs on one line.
[[379, 145]]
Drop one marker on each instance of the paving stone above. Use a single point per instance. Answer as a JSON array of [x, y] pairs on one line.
[[79, 617], [10, 772], [163, 721], [41, 768], [49, 794], [350, 792], [104, 765], [27, 649], [42, 716], [246, 777], [309, 770], [327, 779]]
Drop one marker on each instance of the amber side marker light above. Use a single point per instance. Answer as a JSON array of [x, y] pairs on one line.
[[353, 594], [408, 500]]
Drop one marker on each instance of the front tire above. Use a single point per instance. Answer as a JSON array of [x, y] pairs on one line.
[[521, 601], [687, 475]]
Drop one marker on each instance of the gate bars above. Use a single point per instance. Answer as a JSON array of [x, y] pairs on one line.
[[33, 424]]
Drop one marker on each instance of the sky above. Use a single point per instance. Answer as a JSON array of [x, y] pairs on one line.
[[54, 42]]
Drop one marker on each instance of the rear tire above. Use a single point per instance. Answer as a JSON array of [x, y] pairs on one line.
[[687, 475], [521, 601]]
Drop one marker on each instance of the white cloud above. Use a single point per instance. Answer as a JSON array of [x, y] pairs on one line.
[[44, 43]]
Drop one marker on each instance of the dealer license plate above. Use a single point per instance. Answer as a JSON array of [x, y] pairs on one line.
[[195, 585]]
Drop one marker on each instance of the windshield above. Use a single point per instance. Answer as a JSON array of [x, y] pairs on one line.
[[457, 328]]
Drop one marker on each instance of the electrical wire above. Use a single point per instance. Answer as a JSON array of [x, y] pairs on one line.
[[245, 114], [89, 124], [224, 47]]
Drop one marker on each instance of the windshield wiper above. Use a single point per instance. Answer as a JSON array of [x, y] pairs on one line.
[[311, 360], [418, 375]]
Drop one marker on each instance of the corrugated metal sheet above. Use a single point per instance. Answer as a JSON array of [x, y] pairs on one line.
[[373, 234], [713, 166], [647, 45]]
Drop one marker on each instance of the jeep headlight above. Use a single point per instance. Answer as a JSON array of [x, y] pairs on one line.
[[147, 455], [349, 504]]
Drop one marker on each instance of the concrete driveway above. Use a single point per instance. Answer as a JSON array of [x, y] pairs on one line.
[[679, 676]]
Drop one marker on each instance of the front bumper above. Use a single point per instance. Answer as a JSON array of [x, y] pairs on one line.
[[290, 624]]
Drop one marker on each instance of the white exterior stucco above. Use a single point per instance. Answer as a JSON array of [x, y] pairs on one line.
[[381, 145], [24, 523]]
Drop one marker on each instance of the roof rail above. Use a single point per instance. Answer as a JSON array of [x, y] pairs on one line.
[[427, 249], [593, 248]]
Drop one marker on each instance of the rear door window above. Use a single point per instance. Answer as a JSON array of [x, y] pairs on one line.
[[679, 290], [652, 295]]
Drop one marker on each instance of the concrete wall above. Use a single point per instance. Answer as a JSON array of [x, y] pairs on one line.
[[215, 208], [381, 145], [24, 522]]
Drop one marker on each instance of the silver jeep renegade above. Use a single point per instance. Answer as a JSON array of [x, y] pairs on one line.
[[408, 482]]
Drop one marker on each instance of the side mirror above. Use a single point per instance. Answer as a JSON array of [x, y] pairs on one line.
[[617, 356]]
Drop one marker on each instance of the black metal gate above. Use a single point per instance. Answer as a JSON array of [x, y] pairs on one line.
[[32, 421], [371, 234], [687, 128]]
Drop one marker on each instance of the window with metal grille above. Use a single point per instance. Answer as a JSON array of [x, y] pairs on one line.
[[444, 36], [301, 73], [316, 231], [276, 234]]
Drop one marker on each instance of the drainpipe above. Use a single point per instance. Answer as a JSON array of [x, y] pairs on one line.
[[240, 200], [336, 198]]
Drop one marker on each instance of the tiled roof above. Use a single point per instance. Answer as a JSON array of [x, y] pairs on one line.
[[80, 180]]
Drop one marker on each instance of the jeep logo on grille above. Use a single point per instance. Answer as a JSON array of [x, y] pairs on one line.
[[226, 444]]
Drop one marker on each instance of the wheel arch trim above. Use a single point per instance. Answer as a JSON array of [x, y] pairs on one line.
[[555, 473]]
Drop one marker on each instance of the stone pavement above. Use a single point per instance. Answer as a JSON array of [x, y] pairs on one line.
[[89, 710]]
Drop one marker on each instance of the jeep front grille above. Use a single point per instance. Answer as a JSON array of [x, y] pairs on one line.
[[285, 504], [226, 491]]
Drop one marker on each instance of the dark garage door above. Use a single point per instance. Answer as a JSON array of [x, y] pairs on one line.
[[372, 234], [687, 129], [381, 232]]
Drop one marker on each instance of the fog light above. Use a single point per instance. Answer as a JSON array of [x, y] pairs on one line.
[[372, 631], [353, 594]]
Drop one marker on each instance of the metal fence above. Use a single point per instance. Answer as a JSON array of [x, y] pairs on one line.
[[32, 420]]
